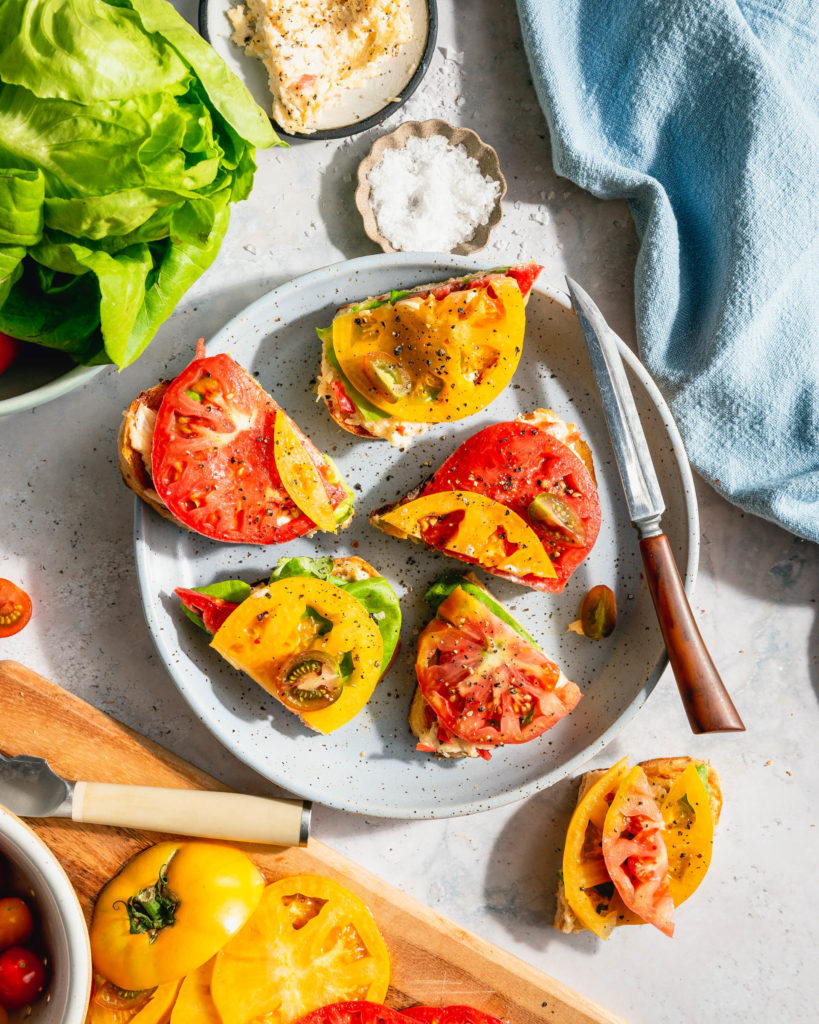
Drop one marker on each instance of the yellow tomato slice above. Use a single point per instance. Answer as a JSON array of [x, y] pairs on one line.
[[194, 1004], [483, 530], [310, 943], [689, 835], [276, 622], [583, 866], [454, 355], [217, 888], [300, 477]]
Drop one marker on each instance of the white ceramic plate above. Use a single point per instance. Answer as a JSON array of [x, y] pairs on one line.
[[370, 766], [355, 109]]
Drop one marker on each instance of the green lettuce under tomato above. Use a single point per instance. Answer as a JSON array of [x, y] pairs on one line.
[[123, 140], [442, 588], [375, 594]]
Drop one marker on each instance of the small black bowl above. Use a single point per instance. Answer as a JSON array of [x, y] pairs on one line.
[[259, 76]]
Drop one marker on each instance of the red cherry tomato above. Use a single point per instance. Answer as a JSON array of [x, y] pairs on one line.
[[9, 350], [15, 608], [16, 922], [22, 977]]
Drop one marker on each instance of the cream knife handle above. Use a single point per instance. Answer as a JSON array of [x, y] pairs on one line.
[[193, 812]]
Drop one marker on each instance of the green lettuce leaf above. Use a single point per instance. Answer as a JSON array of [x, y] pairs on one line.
[[321, 568]]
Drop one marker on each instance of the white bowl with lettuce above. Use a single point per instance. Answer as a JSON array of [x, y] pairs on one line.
[[123, 140]]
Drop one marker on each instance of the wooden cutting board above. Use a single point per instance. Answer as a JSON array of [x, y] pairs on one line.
[[433, 960]]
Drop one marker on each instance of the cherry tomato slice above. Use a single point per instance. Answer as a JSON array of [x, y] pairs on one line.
[[15, 608], [22, 977], [16, 922], [213, 457], [310, 681], [516, 463], [483, 680]]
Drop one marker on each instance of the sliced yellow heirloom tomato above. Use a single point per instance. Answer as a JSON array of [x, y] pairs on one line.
[[429, 360], [184, 899], [311, 943], [155, 1010], [194, 1004], [300, 477], [583, 867], [689, 835], [290, 617], [472, 525]]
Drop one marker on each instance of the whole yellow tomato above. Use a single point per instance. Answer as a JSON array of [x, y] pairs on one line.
[[170, 909]]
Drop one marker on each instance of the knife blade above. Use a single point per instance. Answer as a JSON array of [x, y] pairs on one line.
[[29, 787], [707, 703]]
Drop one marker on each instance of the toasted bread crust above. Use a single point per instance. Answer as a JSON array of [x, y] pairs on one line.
[[131, 464], [661, 773]]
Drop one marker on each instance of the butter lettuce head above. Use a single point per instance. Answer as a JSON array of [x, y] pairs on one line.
[[123, 140]]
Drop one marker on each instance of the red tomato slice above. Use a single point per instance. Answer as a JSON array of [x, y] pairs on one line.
[[358, 1011], [513, 463], [524, 273], [450, 1015], [9, 350], [15, 608], [213, 611], [635, 853], [213, 458], [485, 683]]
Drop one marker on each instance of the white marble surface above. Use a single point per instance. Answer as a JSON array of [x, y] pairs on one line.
[[745, 948]]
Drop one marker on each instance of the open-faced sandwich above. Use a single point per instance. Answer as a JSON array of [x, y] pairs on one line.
[[517, 498], [394, 364], [638, 845], [213, 452], [318, 635], [482, 680]]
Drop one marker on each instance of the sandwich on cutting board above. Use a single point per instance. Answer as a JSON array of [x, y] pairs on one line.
[[213, 452]]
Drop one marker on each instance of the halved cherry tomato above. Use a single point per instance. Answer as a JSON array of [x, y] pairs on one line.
[[358, 1011], [310, 943], [15, 608], [9, 350], [22, 977], [16, 922], [635, 854], [485, 682], [449, 1015], [213, 457], [518, 463]]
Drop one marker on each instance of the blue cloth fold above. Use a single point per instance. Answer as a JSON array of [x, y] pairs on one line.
[[704, 115]]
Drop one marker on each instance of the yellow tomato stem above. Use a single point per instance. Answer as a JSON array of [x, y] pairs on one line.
[[152, 908]]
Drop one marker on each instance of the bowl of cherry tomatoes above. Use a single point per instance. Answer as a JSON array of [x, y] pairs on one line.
[[45, 957]]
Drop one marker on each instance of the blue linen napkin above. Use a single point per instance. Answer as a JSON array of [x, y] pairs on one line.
[[703, 114]]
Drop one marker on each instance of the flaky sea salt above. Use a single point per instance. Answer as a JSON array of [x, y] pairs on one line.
[[430, 196]]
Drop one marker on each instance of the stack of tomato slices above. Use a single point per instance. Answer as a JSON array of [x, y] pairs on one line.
[[362, 1012], [229, 463]]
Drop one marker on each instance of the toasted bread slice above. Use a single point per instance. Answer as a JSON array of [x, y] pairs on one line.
[[134, 447], [661, 773]]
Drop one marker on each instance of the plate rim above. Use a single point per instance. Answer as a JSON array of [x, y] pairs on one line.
[[344, 131], [549, 778]]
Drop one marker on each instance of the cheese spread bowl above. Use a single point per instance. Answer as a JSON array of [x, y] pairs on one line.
[[475, 148], [350, 109], [37, 873]]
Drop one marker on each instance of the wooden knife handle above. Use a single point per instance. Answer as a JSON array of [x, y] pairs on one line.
[[249, 819], [707, 704]]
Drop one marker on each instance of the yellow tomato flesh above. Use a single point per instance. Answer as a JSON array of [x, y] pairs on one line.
[[273, 624], [456, 354], [300, 477], [218, 888], [689, 835], [194, 1004], [310, 943], [485, 533]]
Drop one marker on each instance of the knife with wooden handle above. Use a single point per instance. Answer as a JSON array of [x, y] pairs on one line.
[[707, 703]]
